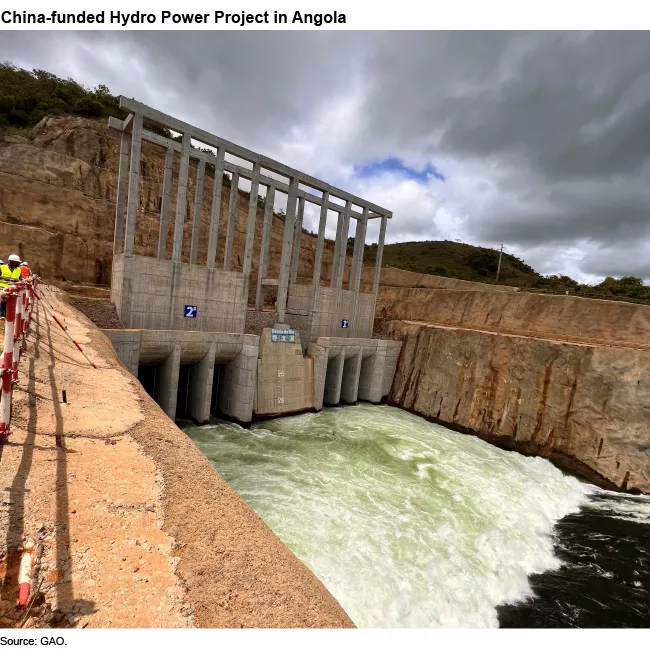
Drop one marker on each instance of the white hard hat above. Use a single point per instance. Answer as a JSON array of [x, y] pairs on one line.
[[14, 258], [23, 263]]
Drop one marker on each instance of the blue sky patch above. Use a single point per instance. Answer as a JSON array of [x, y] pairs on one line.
[[395, 165]]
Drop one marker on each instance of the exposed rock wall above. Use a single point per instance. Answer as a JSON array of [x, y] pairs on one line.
[[57, 205], [583, 407], [565, 318]]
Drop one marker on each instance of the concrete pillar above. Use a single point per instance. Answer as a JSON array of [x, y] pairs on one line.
[[334, 378], [181, 197], [264, 247], [166, 389], [215, 212], [341, 245], [297, 234], [164, 204], [350, 381], [232, 213], [252, 219], [122, 190], [289, 222], [238, 382], [198, 206], [200, 386], [357, 255], [320, 244], [319, 354], [134, 185], [380, 253]]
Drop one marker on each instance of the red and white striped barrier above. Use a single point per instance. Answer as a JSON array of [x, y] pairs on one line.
[[19, 302]]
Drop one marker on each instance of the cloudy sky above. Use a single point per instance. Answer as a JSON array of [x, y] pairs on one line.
[[538, 140]]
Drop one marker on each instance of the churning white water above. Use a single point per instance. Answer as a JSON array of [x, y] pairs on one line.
[[405, 522]]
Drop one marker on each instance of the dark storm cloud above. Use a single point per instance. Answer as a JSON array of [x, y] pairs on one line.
[[542, 137]]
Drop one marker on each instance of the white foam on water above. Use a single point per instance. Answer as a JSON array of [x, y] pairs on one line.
[[408, 524]]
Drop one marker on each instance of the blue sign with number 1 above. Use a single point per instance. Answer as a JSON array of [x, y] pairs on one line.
[[190, 311], [345, 324]]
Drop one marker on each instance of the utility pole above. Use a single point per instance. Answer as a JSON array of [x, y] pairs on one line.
[[499, 266]]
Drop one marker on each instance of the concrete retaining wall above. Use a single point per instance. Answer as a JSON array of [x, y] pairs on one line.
[[150, 293]]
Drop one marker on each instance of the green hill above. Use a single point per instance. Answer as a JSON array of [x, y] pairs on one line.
[[455, 260]]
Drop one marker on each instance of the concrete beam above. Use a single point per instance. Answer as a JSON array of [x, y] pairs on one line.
[[380, 254], [232, 214], [181, 197], [357, 255], [340, 247], [198, 207], [264, 247], [289, 222], [246, 154], [164, 204], [200, 386], [320, 243], [166, 389], [215, 212], [252, 218], [134, 185], [122, 191], [297, 234]]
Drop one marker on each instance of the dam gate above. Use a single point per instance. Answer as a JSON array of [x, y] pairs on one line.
[[186, 311]]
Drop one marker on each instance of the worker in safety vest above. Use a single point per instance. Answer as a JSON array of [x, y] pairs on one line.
[[25, 270], [9, 273]]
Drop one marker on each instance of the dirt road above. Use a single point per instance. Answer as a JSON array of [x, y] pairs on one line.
[[135, 526]]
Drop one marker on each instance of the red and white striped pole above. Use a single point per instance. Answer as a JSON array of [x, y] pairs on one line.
[[18, 330], [25, 574], [7, 362]]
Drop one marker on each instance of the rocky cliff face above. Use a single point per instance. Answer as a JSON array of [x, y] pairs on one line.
[[565, 318], [57, 205], [583, 407]]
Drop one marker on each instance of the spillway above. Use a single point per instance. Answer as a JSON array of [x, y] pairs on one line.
[[405, 522]]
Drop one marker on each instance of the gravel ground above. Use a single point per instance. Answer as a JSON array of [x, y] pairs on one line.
[[100, 312]]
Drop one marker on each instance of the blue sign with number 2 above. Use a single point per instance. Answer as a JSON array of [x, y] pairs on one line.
[[190, 311]]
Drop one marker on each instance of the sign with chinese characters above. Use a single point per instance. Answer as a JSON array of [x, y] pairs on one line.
[[345, 324], [279, 335], [190, 311]]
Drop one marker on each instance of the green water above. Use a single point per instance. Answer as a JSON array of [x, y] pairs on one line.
[[406, 523]]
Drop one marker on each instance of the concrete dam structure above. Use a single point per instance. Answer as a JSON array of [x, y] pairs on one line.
[[185, 323]]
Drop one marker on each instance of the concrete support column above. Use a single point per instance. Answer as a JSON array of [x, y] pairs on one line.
[[232, 213], [164, 204], [320, 244], [380, 253], [289, 222], [350, 381], [357, 255], [200, 386], [134, 185], [215, 212], [198, 207], [181, 197], [264, 248], [297, 234], [252, 219], [341, 245], [334, 378], [122, 190], [166, 389], [238, 382]]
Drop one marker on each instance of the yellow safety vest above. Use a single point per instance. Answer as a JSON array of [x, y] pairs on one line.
[[7, 276]]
